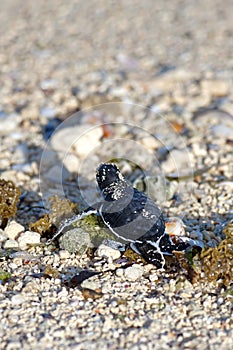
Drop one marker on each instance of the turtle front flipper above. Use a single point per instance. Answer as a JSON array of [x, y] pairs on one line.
[[70, 221]]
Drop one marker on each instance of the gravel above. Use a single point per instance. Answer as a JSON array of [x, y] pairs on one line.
[[96, 70]]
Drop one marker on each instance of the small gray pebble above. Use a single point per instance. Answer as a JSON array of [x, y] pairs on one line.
[[17, 299], [134, 273], [75, 241]]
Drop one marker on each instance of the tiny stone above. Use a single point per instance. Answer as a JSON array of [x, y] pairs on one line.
[[220, 301], [71, 104], [216, 88], [21, 153], [49, 158], [13, 230], [27, 238], [3, 236], [76, 240], [10, 244], [48, 112], [13, 319], [12, 345], [105, 251], [177, 161], [64, 254], [150, 142], [120, 272], [60, 333], [87, 140], [228, 107], [48, 84], [31, 287], [88, 284], [134, 273], [17, 299], [223, 131], [24, 168], [71, 162], [153, 277], [8, 123], [82, 139]]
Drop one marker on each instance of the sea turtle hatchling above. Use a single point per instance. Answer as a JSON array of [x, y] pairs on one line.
[[131, 216]]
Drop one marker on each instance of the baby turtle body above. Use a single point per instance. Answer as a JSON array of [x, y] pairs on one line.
[[126, 211], [133, 217]]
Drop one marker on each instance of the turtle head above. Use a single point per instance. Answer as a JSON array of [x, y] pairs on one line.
[[107, 174]]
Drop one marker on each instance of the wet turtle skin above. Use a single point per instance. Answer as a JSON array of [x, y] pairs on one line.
[[132, 216]]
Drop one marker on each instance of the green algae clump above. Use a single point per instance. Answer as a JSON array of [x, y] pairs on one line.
[[60, 209], [4, 276], [96, 229], [133, 256], [9, 197], [43, 226], [217, 263]]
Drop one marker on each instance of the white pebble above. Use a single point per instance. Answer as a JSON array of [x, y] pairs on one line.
[[150, 142], [82, 139], [13, 319], [90, 284], [216, 88], [120, 272], [3, 236], [88, 140], [11, 244], [71, 162], [27, 238], [17, 299], [13, 229], [13, 345], [48, 84], [134, 273], [153, 277], [105, 251], [9, 122], [64, 254]]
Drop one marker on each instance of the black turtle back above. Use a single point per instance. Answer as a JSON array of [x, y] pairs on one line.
[[129, 213]]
